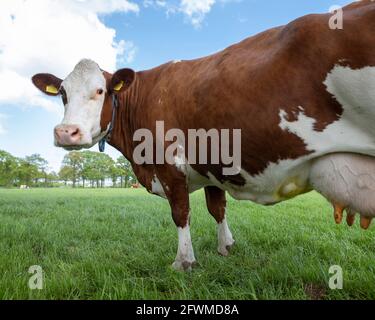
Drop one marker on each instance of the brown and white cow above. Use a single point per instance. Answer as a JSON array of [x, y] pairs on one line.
[[302, 94]]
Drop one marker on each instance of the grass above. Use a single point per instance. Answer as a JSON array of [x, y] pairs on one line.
[[119, 244]]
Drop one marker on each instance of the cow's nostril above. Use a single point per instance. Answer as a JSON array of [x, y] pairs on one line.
[[75, 133]]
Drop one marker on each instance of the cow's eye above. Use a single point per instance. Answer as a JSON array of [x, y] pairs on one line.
[[100, 91]]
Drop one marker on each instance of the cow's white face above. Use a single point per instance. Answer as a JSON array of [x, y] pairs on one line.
[[84, 93]]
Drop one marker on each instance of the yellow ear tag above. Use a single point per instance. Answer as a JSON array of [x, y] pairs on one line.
[[52, 89], [119, 86]]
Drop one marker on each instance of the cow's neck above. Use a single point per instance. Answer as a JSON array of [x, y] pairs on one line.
[[130, 104]]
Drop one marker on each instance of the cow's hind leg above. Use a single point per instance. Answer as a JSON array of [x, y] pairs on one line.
[[179, 201], [216, 204]]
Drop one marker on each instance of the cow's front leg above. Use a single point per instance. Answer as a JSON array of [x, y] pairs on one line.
[[179, 201], [185, 259], [216, 204]]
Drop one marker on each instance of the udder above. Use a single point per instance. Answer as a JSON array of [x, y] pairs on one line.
[[348, 182]]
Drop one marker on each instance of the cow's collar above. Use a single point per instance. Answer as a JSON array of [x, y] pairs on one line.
[[109, 132]]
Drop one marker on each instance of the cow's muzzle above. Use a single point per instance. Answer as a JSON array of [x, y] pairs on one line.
[[68, 135]]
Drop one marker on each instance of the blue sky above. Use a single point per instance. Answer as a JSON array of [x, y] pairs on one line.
[[147, 34], [161, 39]]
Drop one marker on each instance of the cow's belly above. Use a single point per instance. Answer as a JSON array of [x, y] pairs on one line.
[[283, 180], [277, 183]]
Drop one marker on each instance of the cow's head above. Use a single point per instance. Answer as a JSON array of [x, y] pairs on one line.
[[87, 97]]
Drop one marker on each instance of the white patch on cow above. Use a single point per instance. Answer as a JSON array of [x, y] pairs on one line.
[[225, 238], [195, 181], [180, 160], [185, 255], [84, 106], [157, 187], [355, 130]]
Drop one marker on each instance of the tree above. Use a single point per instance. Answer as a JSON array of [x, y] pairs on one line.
[[66, 174], [51, 179], [115, 173], [74, 161], [96, 167], [88, 158], [19, 171], [36, 161], [103, 164], [89, 166], [8, 169], [126, 172], [26, 172]]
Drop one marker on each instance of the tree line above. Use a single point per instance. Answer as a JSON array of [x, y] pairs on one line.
[[78, 169]]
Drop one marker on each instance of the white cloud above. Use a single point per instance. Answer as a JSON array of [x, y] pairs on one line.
[[157, 3], [127, 50], [107, 6], [196, 10], [52, 36]]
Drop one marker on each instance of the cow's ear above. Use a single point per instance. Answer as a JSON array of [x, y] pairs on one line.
[[122, 80], [47, 83]]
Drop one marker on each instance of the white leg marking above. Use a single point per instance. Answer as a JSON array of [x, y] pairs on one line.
[[226, 240], [185, 259]]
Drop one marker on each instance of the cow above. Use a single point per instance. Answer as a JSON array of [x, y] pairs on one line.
[[299, 93]]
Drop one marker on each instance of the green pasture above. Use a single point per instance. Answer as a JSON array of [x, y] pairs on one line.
[[120, 244]]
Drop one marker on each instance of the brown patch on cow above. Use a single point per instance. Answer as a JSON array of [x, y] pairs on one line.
[[106, 116], [216, 203], [177, 194], [315, 291]]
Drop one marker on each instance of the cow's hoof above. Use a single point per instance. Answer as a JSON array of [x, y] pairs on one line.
[[225, 250], [184, 266]]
